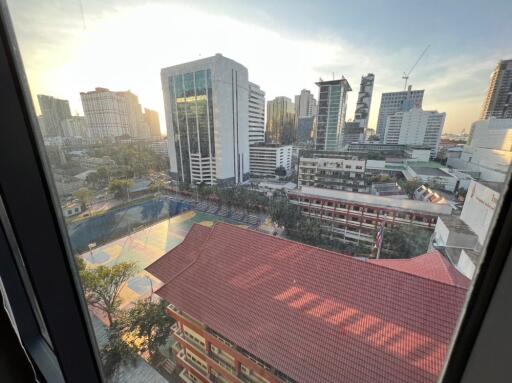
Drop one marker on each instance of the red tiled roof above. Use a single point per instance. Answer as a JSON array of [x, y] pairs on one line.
[[315, 315], [432, 265], [182, 254]]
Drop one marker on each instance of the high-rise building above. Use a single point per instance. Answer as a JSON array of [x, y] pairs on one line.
[[393, 102], [54, 111], [305, 129], [498, 102], [364, 100], [280, 121], [206, 143], [152, 122], [305, 104], [353, 133], [415, 127], [266, 158], [256, 114], [113, 114], [332, 108], [76, 126]]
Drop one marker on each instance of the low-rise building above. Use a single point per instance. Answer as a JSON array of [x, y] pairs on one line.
[[71, 209], [462, 237], [388, 189], [446, 179], [426, 194], [333, 173], [354, 217], [266, 158], [251, 307]]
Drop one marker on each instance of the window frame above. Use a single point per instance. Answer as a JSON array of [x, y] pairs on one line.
[[29, 225]]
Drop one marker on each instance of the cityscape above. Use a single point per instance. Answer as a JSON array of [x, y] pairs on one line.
[[291, 206]]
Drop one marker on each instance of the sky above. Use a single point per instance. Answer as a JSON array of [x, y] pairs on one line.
[[68, 47]]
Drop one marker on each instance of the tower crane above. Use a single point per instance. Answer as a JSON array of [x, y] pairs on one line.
[[406, 76]]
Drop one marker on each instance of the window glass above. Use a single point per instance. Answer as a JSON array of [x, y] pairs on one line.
[[213, 238]]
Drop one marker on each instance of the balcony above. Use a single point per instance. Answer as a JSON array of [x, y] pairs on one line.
[[184, 376], [193, 365]]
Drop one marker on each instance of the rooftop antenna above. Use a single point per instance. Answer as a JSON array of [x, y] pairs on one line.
[[406, 76]]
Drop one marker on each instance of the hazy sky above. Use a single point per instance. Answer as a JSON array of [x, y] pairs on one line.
[[72, 46]]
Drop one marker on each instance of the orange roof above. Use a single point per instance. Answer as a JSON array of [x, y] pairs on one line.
[[315, 315], [432, 265]]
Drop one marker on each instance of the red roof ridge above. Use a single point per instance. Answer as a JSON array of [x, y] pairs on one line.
[[445, 262], [352, 259], [198, 251], [178, 247]]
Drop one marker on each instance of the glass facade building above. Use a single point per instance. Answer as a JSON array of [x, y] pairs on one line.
[[207, 115], [332, 107], [192, 117]]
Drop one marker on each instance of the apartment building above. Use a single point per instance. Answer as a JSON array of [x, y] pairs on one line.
[[152, 122], [256, 114], [333, 173], [415, 127], [54, 111], [498, 101], [392, 102], [354, 217], [113, 114], [250, 308], [266, 158], [281, 127]]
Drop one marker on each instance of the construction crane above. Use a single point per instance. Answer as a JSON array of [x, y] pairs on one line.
[[406, 76]]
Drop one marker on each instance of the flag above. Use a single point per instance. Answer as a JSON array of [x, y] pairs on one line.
[[378, 237]]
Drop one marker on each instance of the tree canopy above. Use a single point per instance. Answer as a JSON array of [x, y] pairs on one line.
[[103, 284]]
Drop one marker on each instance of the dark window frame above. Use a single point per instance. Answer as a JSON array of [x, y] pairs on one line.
[[29, 198], [29, 225]]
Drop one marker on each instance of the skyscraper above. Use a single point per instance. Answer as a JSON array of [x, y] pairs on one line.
[[75, 126], [206, 111], [280, 121], [256, 114], [113, 114], [305, 104], [54, 111], [332, 108], [393, 102], [152, 122], [498, 102], [415, 127], [364, 100]]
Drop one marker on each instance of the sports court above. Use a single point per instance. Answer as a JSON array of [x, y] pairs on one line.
[[145, 246]]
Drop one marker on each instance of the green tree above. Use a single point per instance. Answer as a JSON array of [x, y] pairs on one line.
[[405, 242], [149, 325], [103, 284], [85, 196], [93, 179], [280, 171], [103, 174], [117, 353], [410, 186], [309, 231], [120, 188]]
